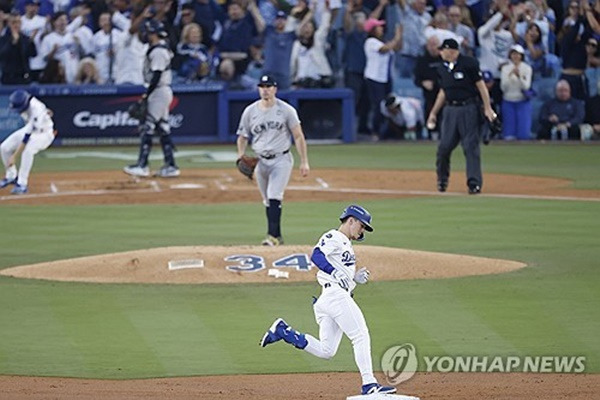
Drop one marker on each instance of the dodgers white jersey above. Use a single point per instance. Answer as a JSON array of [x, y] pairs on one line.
[[339, 252], [37, 119], [271, 129]]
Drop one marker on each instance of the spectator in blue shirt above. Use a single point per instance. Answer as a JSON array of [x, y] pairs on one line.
[[560, 117], [279, 39], [355, 61], [210, 16]]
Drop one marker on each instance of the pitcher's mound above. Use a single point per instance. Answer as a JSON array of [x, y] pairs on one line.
[[244, 264]]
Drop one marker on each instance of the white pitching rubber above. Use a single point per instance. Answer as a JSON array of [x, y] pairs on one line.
[[381, 396]]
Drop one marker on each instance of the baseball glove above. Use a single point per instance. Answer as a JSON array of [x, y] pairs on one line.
[[138, 110], [246, 165]]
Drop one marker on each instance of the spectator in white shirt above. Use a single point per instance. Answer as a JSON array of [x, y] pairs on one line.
[[495, 40], [34, 26], [63, 46], [404, 117], [378, 67], [308, 63], [515, 82], [130, 50], [104, 44]]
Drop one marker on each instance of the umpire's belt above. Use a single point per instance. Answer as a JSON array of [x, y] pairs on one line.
[[464, 102], [273, 155]]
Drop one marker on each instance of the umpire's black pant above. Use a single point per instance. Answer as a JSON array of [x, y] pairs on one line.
[[460, 124]]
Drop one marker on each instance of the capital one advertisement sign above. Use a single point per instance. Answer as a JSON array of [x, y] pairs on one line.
[[89, 120]]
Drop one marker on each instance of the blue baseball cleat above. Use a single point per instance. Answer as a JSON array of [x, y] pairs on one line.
[[19, 189], [272, 336], [373, 388], [5, 182]]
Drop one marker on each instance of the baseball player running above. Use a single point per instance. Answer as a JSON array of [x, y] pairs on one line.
[[157, 74], [35, 136], [336, 312], [270, 123]]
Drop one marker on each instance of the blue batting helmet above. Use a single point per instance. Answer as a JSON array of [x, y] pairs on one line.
[[361, 214], [19, 100]]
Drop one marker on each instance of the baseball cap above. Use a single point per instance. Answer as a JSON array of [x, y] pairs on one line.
[[267, 80], [487, 76], [392, 101], [518, 48], [33, 2], [449, 44], [281, 14], [371, 23]]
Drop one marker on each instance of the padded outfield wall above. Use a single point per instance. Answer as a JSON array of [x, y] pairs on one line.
[[200, 113]]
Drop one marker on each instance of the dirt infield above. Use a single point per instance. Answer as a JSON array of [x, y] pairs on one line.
[[322, 386], [226, 185]]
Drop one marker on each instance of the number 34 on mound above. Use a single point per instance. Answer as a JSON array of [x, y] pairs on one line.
[[253, 263]]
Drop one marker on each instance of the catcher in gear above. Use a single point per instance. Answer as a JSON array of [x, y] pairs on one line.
[[246, 165], [270, 123], [157, 99]]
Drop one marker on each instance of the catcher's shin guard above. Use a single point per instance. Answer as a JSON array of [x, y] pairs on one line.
[[145, 148], [168, 148]]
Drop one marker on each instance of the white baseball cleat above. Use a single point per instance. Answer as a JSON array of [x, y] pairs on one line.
[[373, 388], [168, 171], [272, 241], [136, 170]]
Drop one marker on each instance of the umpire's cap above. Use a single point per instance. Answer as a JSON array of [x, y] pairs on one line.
[[266, 81], [19, 100], [361, 214]]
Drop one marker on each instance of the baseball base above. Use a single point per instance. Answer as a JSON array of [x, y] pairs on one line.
[[379, 396]]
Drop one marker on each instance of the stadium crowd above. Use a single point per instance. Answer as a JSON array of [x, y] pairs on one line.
[[321, 44]]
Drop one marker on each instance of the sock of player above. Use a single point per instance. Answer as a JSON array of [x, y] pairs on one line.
[[274, 217]]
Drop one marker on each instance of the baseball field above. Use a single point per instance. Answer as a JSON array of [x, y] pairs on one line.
[[89, 307]]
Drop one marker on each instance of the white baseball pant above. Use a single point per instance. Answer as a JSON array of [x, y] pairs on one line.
[[36, 143], [336, 312]]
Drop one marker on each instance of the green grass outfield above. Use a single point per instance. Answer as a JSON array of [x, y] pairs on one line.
[[134, 331]]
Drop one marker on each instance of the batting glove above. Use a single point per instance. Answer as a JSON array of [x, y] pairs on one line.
[[340, 278], [362, 276]]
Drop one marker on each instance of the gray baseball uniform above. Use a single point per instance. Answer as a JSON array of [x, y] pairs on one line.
[[159, 59], [271, 137]]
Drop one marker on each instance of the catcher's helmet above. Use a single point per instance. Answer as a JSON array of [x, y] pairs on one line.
[[154, 26], [19, 100], [361, 214]]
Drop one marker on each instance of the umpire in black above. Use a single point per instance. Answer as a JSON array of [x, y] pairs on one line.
[[461, 88]]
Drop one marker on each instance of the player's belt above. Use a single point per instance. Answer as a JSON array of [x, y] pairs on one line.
[[273, 155]]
